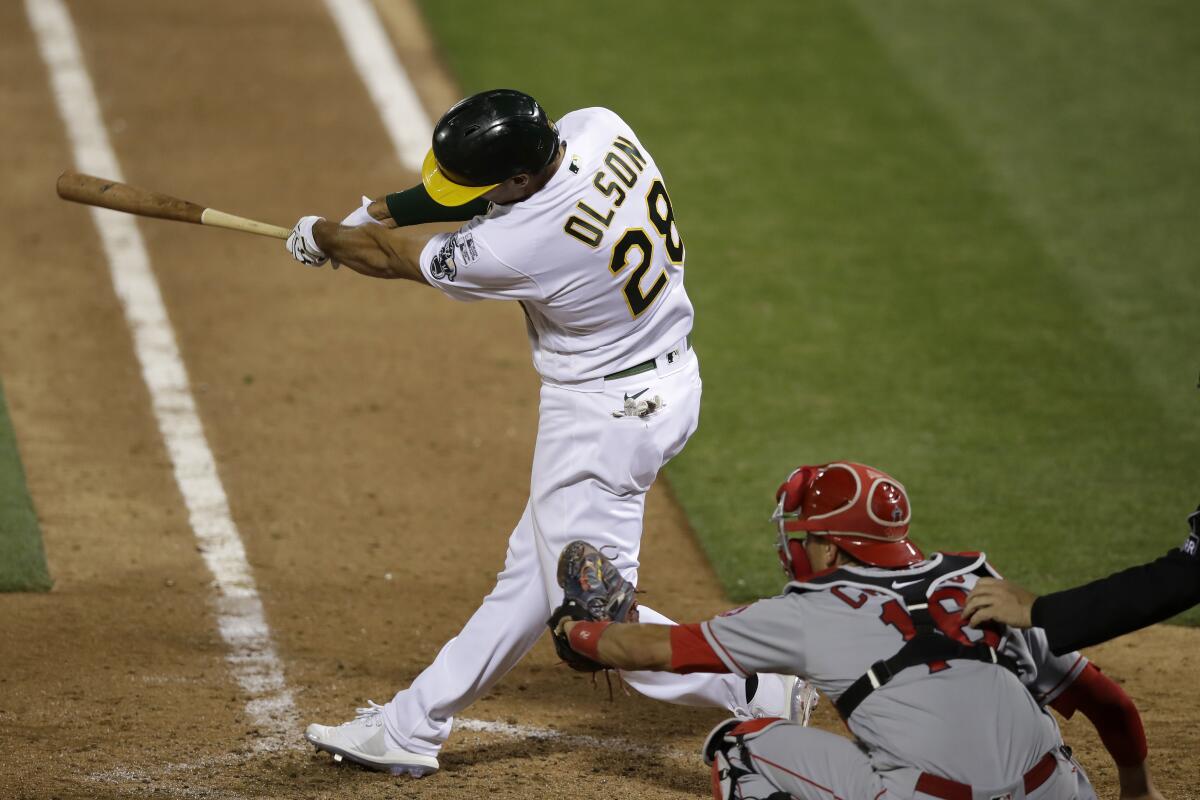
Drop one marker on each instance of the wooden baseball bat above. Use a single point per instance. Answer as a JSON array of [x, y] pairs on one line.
[[93, 191]]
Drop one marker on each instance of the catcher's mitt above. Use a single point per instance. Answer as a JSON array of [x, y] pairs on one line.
[[593, 591]]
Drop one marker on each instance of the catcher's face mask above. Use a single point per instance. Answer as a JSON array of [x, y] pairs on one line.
[[790, 500]]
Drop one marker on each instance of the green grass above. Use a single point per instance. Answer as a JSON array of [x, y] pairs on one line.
[[22, 560], [952, 239]]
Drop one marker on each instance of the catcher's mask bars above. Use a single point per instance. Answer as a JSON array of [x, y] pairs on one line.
[[861, 510]]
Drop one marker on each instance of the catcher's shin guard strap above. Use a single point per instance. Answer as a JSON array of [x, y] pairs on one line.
[[585, 638], [929, 648]]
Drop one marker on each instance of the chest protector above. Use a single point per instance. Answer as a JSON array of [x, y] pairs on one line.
[[933, 636]]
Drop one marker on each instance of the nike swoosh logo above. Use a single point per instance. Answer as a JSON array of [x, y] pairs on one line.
[[902, 584], [629, 396]]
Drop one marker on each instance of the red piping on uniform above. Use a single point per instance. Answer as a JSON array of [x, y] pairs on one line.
[[740, 670], [798, 775], [1069, 676]]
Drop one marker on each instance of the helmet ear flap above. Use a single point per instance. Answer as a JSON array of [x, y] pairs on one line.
[[791, 492]]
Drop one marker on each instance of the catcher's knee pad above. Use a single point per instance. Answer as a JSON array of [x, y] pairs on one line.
[[725, 751]]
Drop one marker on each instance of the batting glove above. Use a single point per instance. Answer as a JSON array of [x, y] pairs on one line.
[[303, 246]]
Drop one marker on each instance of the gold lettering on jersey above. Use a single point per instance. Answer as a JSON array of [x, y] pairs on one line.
[[607, 189], [628, 148], [586, 232], [622, 170], [603, 220], [625, 164]]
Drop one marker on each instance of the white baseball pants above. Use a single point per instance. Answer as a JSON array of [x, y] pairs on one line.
[[591, 472]]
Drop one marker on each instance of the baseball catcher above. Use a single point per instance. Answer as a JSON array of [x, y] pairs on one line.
[[937, 709]]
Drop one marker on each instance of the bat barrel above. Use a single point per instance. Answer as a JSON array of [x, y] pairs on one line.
[[93, 191]]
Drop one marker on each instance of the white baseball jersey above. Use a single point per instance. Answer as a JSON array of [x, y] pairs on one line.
[[977, 723], [594, 257]]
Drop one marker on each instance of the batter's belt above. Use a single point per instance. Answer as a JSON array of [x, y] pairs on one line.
[[645, 366], [936, 786]]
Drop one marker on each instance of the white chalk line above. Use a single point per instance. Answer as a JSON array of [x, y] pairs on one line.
[[160, 782], [391, 91], [170, 779], [239, 611], [576, 740]]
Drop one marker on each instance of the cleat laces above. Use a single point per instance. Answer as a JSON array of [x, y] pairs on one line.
[[369, 717]]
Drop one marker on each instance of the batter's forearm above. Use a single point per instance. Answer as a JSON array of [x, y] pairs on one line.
[[371, 250]]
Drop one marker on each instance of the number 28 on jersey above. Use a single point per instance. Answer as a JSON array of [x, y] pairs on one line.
[[634, 252]]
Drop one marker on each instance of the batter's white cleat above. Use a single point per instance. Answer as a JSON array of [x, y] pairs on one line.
[[802, 699], [363, 740]]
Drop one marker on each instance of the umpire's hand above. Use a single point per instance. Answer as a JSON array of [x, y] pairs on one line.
[[999, 601]]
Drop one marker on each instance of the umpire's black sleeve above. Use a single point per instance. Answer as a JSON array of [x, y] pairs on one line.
[[1122, 602]]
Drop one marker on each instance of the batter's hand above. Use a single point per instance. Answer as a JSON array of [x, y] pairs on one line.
[[999, 601], [303, 246]]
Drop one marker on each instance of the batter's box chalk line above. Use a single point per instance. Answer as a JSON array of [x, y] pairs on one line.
[[180, 779]]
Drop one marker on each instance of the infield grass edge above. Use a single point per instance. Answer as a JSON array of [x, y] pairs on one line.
[[23, 566]]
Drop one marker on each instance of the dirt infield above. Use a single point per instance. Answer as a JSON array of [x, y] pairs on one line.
[[374, 440]]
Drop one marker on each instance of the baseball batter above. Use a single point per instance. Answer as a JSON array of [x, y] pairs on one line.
[[937, 709], [574, 222]]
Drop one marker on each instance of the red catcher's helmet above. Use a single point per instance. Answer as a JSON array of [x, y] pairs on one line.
[[862, 510]]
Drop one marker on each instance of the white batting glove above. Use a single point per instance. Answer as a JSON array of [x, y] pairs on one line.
[[303, 246], [360, 216]]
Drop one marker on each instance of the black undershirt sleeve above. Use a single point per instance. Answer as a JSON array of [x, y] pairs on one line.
[[1121, 603], [415, 207]]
